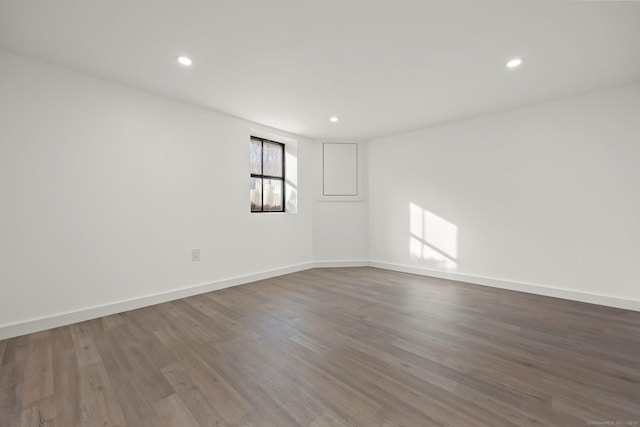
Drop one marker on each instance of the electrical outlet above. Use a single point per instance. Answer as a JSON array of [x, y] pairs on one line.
[[195, 254]]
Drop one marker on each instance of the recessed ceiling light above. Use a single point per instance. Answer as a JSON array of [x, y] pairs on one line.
[[333, 119], [514, 63], [184, 60]]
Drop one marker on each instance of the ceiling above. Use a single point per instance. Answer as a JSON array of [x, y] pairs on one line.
[[381, 67]]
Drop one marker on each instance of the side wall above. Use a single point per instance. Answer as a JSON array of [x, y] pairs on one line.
[[106, 189], [544, 199]]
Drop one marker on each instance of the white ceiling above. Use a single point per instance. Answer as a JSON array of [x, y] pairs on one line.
[[382, 67]]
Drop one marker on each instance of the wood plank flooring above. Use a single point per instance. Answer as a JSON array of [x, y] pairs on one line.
[[332, 347]]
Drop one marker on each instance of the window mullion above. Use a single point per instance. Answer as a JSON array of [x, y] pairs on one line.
[[262, 171], [262, 176]]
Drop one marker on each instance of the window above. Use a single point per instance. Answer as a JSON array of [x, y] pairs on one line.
[[267, 175]]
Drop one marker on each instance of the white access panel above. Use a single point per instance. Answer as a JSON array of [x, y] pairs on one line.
[[339, 169]]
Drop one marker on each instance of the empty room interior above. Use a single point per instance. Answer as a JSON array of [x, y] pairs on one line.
[[319, 213]]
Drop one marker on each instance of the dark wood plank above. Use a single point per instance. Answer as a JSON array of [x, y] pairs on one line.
[[38, 371], [332, 347]]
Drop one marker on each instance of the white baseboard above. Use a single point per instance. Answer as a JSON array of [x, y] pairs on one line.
[[333, 264], [62, 319], [530, 288], [67, 318]]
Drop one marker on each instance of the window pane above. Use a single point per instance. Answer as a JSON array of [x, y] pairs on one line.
[[255, 190], [272, 159], [256, 155], [272, 195]]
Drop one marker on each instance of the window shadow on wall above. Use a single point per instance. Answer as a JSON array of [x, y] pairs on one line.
[[432, 238]]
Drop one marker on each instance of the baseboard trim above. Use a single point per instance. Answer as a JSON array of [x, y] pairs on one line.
[[530, 288], [334, 264], [67, 318]]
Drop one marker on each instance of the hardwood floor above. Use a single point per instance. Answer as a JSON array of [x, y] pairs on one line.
[[332, 347]]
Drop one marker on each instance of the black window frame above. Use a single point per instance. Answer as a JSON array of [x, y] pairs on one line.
[[263, 176]]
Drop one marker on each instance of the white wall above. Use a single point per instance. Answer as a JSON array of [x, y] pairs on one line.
[[340, 223], [547, 195], [340, 233], [105, 190]]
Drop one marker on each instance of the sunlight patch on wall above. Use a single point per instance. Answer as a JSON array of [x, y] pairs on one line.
[[291, 182], [432, 238]]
